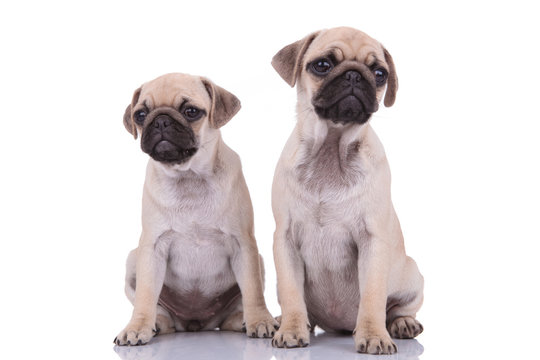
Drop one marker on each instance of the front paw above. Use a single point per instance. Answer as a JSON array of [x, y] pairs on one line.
[[136, 333], [374, 342], [262, 325], [291, 335]]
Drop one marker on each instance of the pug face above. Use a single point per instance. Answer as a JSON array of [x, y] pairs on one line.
[[342, 74], [175, 113]]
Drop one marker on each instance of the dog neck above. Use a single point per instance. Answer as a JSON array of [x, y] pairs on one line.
[[313, 132]]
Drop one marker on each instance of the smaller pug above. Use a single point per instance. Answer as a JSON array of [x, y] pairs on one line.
[[338, 247], [197, 266]]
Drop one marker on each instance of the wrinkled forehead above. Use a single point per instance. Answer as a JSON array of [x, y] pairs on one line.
[[173, 90], [346, 44]]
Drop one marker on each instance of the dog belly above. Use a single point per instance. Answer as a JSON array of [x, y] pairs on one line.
[[199, 282], [195, 310], [331, 277], [332, 299]]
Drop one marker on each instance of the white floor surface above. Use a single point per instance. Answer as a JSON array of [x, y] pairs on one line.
[[214, 345]]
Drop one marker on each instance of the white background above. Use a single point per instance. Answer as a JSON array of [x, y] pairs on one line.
[[462, 142]]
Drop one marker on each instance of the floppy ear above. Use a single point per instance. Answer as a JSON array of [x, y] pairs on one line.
[[288, 61], [392, 85], [224, 104], [128, 117]]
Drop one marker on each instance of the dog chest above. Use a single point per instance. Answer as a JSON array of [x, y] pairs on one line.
[[329, 166], [189, 194], [330, 210], [328, 248], [198, 260]]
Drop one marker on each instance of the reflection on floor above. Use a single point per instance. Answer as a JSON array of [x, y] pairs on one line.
[[214, 345]]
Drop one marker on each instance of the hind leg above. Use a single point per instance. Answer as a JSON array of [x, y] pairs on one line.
[[234, 322], [404, 302], [164, 322], [405, 327]]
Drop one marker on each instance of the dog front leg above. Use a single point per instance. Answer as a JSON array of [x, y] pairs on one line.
[[248, 272], [370, 334], [150, 274], [294, 328]]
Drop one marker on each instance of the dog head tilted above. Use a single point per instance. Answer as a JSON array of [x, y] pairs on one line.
[[174, 113]]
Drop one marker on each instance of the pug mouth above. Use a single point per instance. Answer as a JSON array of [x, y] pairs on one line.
[[168, 141], [347, 95], [168, 152], [348, 109]]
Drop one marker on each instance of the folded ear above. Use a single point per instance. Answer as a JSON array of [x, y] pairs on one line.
[[224, 104], [392, 84], [288, 61], [128, 116]]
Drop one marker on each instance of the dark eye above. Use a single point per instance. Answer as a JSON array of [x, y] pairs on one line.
[[140, 116], [380, 76], [192, 113], [322, 66]]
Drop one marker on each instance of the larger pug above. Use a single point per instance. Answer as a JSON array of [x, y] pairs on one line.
[[197, 265], [338, 245]]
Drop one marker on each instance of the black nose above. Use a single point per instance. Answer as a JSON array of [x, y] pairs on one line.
[[353, 77], [162, 121]]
